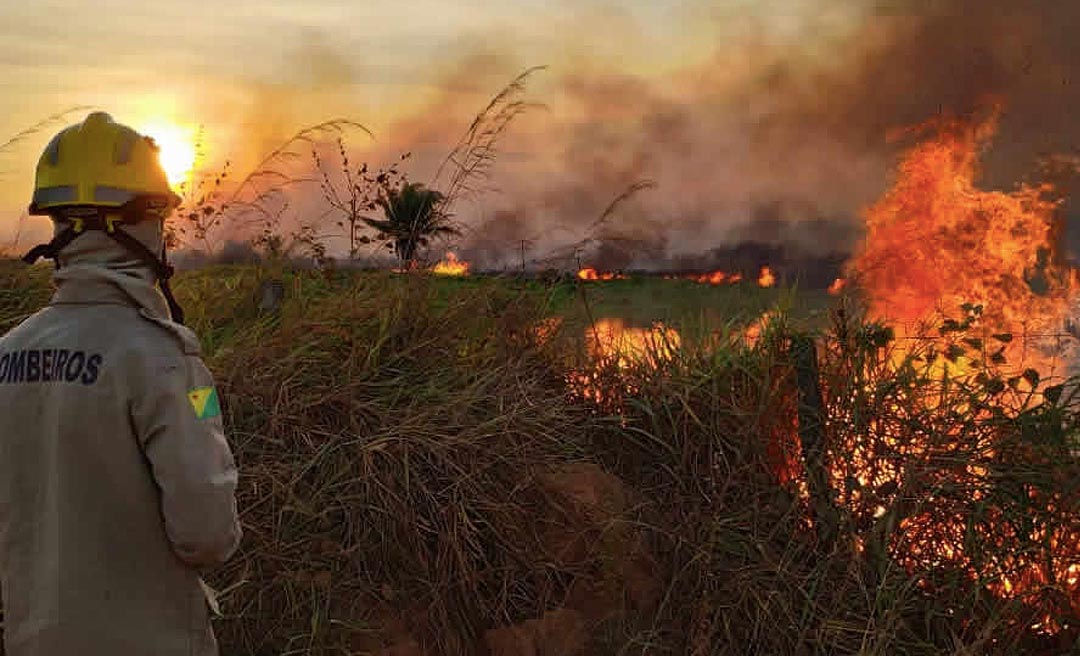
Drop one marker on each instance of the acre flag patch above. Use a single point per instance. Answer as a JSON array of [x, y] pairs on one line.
[[204, 400]]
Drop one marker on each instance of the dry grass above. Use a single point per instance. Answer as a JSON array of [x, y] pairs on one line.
[[383, 458], [414, 471], [23, 290]]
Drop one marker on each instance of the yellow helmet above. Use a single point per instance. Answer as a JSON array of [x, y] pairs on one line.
[[100, 175], [100, 163]]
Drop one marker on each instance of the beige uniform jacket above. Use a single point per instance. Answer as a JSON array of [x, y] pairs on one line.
[[116, 482]]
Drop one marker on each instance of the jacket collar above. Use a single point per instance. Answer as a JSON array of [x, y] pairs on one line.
[[84, 284]]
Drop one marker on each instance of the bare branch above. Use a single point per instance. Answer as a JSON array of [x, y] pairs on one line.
[[309, 135]]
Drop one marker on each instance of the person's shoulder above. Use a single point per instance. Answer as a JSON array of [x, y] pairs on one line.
[[26, 329], [182, 336], [158, 336], [156, 350]]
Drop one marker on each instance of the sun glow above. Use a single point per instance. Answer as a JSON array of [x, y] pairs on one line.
[[178, 150]]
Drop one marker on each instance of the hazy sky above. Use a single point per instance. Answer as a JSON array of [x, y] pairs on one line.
[[180, 56], [207, 62], [736, 108], [251, 72]]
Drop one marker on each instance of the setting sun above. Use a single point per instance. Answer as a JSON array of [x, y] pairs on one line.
[[178, 150]]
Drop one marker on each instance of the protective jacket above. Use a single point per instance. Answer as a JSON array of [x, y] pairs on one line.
[[116, 482]]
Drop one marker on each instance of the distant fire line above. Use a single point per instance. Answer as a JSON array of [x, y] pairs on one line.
[[766, 277]]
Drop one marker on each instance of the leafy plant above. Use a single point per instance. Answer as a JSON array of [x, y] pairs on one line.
[[414, 215]]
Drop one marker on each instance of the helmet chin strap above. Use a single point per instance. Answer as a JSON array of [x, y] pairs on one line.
[[109, 223]]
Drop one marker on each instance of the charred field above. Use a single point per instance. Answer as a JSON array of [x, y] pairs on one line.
[[478, 466]]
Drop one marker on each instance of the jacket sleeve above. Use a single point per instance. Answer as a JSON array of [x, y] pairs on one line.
[[177, 418]]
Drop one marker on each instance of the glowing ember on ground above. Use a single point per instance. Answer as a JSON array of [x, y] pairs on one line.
[[545, 329], [451, 266]]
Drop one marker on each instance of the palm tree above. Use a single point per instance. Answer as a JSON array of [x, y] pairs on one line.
[[414, 215]]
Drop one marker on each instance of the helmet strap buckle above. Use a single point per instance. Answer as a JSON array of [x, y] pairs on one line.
[[110, 222]]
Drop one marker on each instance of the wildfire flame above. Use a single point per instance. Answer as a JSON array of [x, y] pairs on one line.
[[937, 246], [451, 266], [627, 345], [751, 335], [766, 278], [716, 278], [936, 242], [589, 273], [615, 347], [941, 256]]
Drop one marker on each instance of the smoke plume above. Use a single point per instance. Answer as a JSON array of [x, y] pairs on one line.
[[777, 142]]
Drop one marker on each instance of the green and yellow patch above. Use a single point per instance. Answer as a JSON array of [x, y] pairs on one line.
[[204, 400]]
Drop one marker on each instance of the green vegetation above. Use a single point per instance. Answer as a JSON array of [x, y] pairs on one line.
[[697, 310], [413, 218], [418, 478]]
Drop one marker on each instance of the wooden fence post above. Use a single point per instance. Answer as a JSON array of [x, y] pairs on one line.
[[812, 437]]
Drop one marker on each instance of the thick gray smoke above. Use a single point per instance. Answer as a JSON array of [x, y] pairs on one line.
[[805, 142], [954, 55], [778, 144]]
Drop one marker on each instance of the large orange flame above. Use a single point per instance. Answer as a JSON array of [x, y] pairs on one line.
[[936, 242], [942, 256]]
